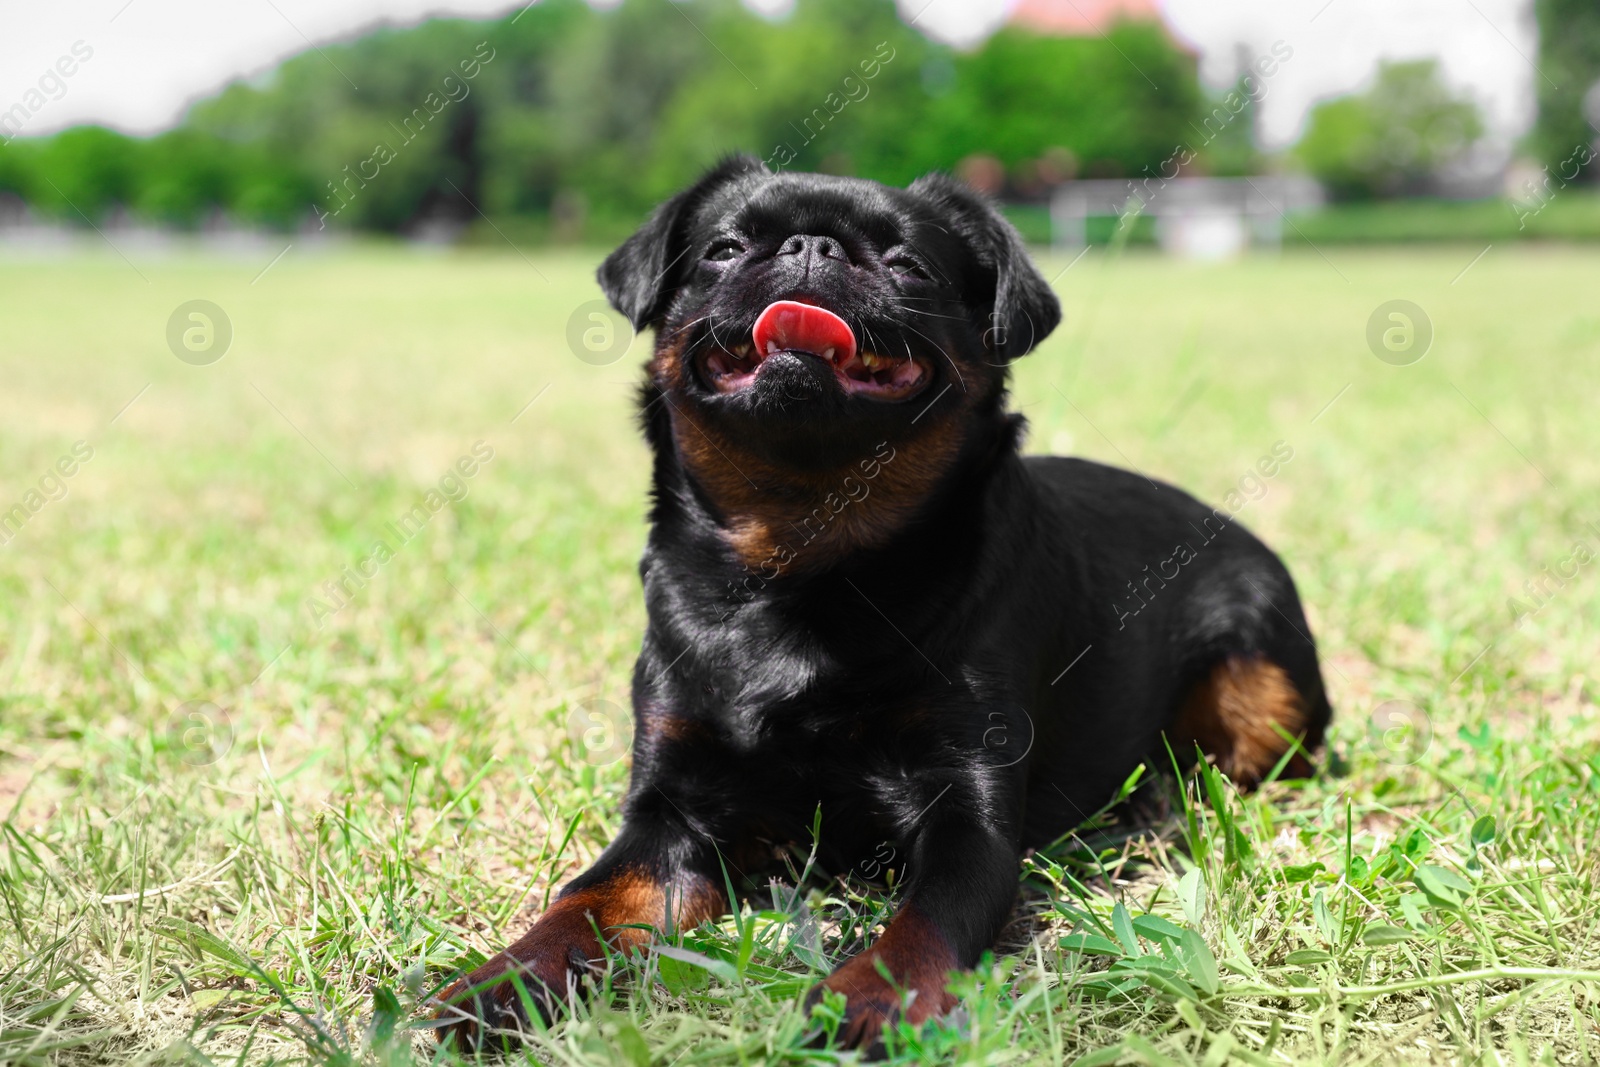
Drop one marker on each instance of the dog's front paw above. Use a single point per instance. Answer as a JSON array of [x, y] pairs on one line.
[[491, 1006], [874, 1003]]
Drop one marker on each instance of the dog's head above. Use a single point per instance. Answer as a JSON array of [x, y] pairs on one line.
[[804, 319]]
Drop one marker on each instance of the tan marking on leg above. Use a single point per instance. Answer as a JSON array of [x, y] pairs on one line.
[[551, 959], [1231, 715], [919, 961]]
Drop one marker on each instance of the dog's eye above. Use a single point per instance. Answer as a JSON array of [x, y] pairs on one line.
[[901, 267], [722, 251]]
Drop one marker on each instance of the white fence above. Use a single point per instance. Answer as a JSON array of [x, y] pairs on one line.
[[1199, 218]]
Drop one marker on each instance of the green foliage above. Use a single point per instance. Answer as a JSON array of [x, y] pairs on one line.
[[562, 112], [82, 172], [176, 178], [1568, 82], [1392, 140], [1231, 149], [19, 168], [1118, 104]]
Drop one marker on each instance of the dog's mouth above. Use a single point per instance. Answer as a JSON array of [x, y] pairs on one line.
[[805, 329]]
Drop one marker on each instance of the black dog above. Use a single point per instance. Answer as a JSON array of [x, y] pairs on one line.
[[861, 597]]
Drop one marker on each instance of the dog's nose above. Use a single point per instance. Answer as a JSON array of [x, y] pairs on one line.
[[811, 249]]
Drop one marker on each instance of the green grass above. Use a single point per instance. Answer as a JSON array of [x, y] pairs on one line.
[[1567, 214], [391, 794]]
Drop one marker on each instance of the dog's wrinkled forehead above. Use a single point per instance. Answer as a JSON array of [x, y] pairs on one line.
[[972, 251], [864, 215]]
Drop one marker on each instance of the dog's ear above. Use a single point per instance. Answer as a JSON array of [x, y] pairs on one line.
[[1025, 309], [641, 275]]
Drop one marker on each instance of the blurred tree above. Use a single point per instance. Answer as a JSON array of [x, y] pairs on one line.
[[406, 146], [19, 167], [1392, 140], [1568, 84], [798, 93], [1118, 103], [81, 173], [611, 87], [268, 190], [181, 175], [563, 110], [1228, 135]]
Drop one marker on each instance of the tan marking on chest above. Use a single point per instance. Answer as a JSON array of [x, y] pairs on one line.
[[781, 521]]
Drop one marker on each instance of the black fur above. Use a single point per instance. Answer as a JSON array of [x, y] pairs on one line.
[[955, 684]]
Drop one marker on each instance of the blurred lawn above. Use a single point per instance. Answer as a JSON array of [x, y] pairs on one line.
[[1573, 215], [402, 779]]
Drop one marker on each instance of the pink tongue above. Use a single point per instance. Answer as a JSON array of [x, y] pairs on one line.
[[793, 325]]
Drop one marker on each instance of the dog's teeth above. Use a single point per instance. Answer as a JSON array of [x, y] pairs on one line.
[[827, 354], [772, 348], [869, 360]]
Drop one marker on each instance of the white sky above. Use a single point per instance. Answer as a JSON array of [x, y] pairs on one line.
[[151, 57]]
